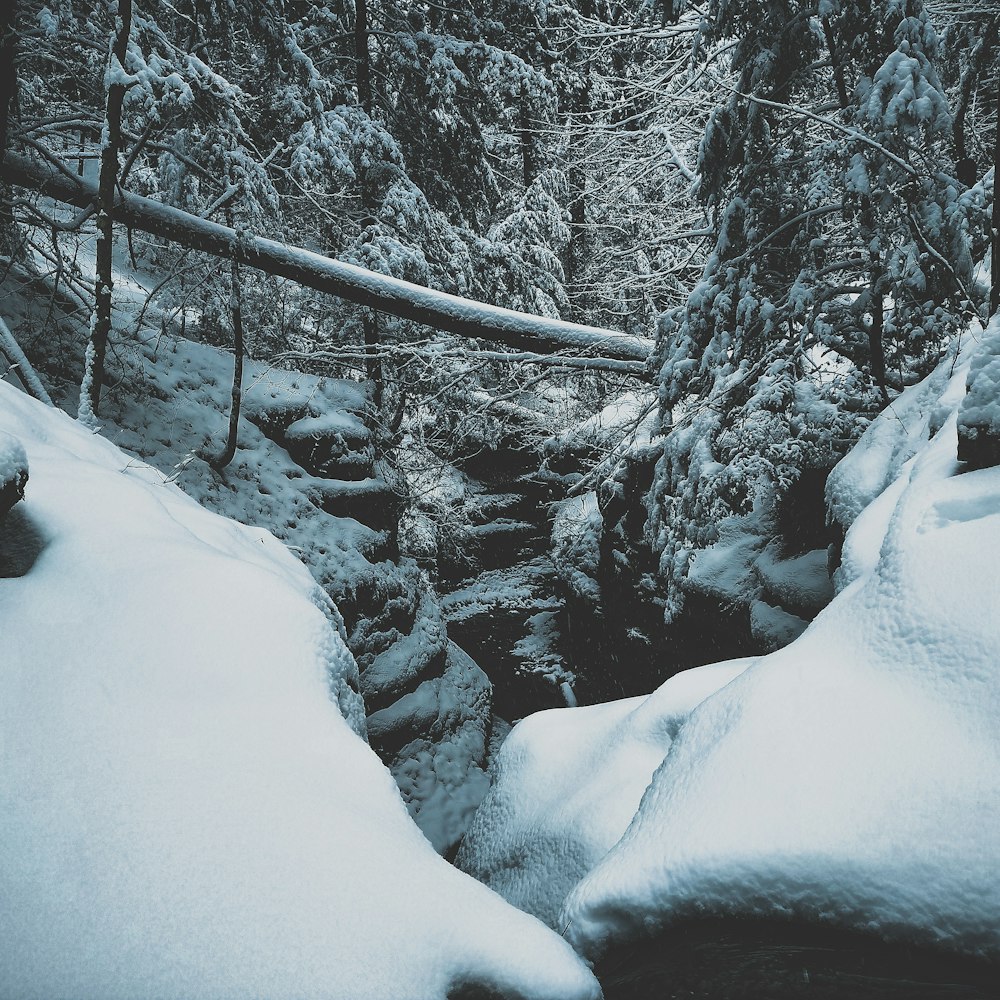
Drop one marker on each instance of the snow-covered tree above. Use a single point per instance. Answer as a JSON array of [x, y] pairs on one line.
[[841, 262]]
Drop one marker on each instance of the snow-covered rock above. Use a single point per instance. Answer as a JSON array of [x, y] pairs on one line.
[[848, 784], [851, 779], [979, 414], [566, 785], [186, 807], [13, 472]]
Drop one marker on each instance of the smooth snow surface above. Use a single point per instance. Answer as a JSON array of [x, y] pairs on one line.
[[853, 777], [184, 809], [566, 784]]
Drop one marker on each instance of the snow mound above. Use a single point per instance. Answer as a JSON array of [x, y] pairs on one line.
[[566, 784], [13, 471], [13, 461], [852, 778], [893, 439], [185, 811]]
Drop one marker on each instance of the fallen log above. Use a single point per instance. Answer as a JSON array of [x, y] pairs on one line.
[[404, 299]]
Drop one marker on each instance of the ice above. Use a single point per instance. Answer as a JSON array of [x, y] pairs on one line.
[[185, 810]]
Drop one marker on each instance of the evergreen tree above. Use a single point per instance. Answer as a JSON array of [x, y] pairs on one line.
[[841, 263]]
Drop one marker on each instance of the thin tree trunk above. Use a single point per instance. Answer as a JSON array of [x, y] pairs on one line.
[[8, 70], [527, 139], [979, 59], [369, 318], [93, 377], [838, 69], [577, 251], [876, 347], [995, 219], [236, 317]]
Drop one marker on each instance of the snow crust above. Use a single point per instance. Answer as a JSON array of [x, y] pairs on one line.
[[186, 808], [853, 777], [566, 784]]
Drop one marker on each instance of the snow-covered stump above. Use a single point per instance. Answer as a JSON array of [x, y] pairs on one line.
[[336, 444], [13, 472], [979, 414]]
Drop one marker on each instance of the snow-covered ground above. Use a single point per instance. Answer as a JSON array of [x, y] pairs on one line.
[[186, 807], [851, 779], [167, 402], [541, 828]]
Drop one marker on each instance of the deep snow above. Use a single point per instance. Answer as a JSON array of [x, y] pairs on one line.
[[850, 779], [566, 785], [186, 808]]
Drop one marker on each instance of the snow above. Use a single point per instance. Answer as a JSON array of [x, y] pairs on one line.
[[168, 402], [186, 807], [13, 461], [980, 412], [889, 442], [800, 582], [852, 778], [566, 784], [773, 626], [725, 570], [335, 422]]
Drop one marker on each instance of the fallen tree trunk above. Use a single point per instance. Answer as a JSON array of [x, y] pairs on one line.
[[440, 310]]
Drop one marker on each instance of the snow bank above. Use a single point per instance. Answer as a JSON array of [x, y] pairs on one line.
[[853, 777], [184, 808], [894, 438], [566, 784]]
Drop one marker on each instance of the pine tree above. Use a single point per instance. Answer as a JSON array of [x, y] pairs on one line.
[[841, 263]]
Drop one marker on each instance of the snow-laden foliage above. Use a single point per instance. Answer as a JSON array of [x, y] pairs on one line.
[[842, 263]]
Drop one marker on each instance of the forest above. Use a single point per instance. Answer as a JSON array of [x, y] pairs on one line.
[[499, 500]]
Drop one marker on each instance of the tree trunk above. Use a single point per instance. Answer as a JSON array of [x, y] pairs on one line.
[[464, 317], [369, 318], [876, 348], [526, 139], [995, 219], [236, 318], [93, 377], [577, 251], [8, 70]]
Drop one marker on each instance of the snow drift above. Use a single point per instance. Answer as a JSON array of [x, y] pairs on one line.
[[542, 826], [186, 807], [851, 779]]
